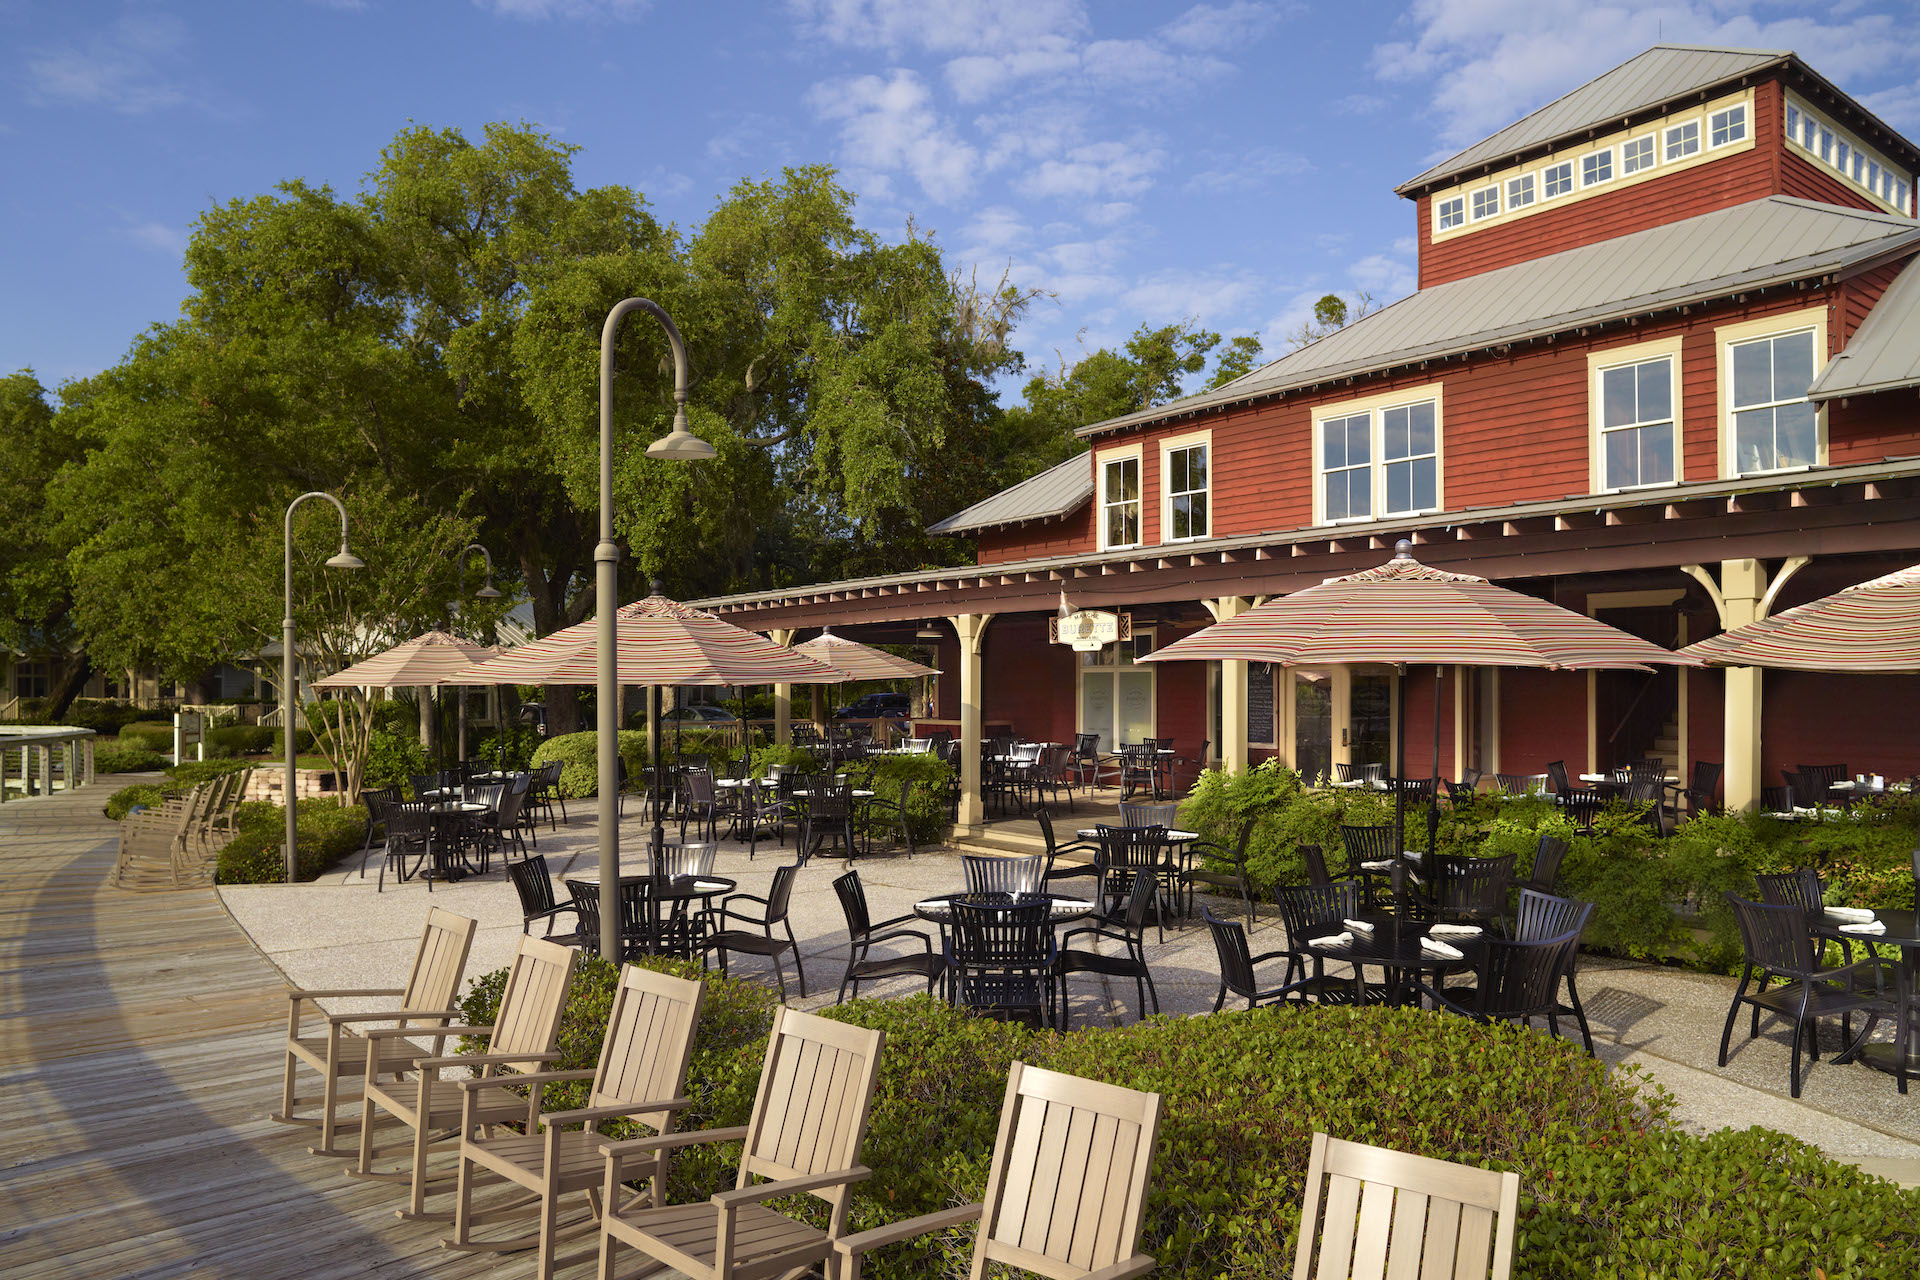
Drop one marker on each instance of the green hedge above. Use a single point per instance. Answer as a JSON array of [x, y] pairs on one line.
[[128, 759], [229, 740], [926, 807], [579, 754], [328, 831], [1608, 1186], [155, 735], [1650, 894], [145, 795], [101, 715]]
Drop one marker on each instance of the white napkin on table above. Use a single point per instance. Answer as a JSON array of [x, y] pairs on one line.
[[1455, 931], [1433, 946], [1358, 926], [1332, 940], [1870, 926], [1850, 913], [1383, 864]]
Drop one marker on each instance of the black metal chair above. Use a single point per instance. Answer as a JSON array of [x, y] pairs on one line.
[[991, 873], [828, 817], [1819, 780], [1085, 762], [1311, 911], [1238, 968], [1350, 772], [1139, 771], [1803, 889], [1126, 852], [1000, 960], [773, 912], [1520, 784], [1583, 808], [759, 807], [1129, 930], [1543, 916], [545, 795], [1234, 859], [501, 826], [1056, 876], [376, 800], [1467, 890], [894, 814], [534, 885], [1547, 856], [1775, 943], [1315, 860], [1371, 852], [1516, 982], [586, 901], [409, 834], [1557, 779], [863, 933], [1701, 791], [1053, 775], [700, 804]]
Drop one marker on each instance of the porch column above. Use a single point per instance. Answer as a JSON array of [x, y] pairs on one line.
[[971, 628], [782, 694], [1744, 594], [1233, 691]]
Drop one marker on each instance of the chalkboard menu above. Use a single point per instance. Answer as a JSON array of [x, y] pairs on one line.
[[1261, 725]]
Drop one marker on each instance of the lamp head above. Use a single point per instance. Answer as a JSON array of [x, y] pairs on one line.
[[680, 444], [487, 592], [928, 632], [346, 560]]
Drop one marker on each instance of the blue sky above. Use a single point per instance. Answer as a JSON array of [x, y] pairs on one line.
[[1228, 162]]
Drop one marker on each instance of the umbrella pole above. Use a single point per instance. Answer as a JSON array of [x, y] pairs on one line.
[[1399, 763], [1433, 783], [653, 742]]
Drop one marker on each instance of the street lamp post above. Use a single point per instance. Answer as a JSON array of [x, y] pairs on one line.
[[486, 592], [345, 560], [681, 444]]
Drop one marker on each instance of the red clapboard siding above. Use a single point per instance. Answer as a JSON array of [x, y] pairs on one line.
[[1420, 686], [1068, 535], [1858, 297], [1027, 682], [1543, 716], [1799, 724], [1811, 181], [1866, 428]]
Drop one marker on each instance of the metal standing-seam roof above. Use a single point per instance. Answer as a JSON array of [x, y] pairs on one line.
[[1052, 493], [1884, 353], [1764, 242], [1658, 76]]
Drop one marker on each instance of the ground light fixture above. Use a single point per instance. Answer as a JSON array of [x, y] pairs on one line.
[[344, 560]]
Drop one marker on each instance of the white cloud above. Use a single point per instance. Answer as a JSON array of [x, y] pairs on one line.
[[1228, 26], [1209, 296], [1387, 278], [124, 68], [1109, 213], [1139, 66], [1095, 170], [1254, 169], [1898, 106], [995, 231], [1359, 104], [982, 26], [890, 124], [540, 10], [1493, 61], [157, 236]]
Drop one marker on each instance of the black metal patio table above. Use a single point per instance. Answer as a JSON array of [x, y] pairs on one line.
[[1902, 932], [1395, 949], [643, 899]]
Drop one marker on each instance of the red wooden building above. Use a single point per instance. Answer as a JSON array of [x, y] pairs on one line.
[[1662, 367]]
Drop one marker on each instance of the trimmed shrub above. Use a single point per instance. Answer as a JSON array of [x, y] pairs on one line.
[[328, 832], [578, 754], [1608, 1186], [154, 735], [100, 715], [302, 742], [797, 758], [181, 779], [128, 759], [394, 755], [231, 740], [146, 795], [926, 807]]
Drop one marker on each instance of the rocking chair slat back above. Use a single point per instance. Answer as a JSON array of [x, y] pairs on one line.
[[439, 962], [1376, 1213], [1068, 1185], [535, 996], [815, 1091], [649, 1041]]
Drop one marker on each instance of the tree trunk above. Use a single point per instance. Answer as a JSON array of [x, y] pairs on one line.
[[74, 676]]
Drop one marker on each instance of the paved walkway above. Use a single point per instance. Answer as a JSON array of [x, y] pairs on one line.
[[139, 1050]]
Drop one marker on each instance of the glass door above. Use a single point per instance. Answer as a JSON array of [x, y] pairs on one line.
[[1116, 697], [1312, 725], [1370, 717]]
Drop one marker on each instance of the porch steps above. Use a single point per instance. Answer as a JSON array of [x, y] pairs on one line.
[[1007, 844]]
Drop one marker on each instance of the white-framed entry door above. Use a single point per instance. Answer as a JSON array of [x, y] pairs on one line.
[[1117, 696]]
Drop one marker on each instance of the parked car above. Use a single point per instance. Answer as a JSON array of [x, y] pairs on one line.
[[872, 706], [700, 712]]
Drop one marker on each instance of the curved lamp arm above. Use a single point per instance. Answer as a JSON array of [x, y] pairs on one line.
[[487, 592], [344, 560]]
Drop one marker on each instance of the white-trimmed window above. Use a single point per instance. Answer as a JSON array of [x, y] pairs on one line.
[[1636, 421], [1486, 203], [1793, 123], [1596, 168], [1731, 125], [1683, 140], [1379, 457], [1809, 133], [1451, 213], [1842, 154], [1826, 145], [1346, 461], [1556, 180], [1185, 479], [1774, 425], [1120, 501], [1520, 191], [1636, 155]]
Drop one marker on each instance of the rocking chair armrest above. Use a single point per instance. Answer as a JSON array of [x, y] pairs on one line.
[[1127, 1270], [488, 1060], [580, 1115], [388, 1033], [385, 1015], [617, 1151], [334, 993], [853, 1246], [532, 1077], [739, 1197]]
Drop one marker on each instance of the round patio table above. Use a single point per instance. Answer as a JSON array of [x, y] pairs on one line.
[[1397, 952], [642, 897], [1903, 932], [1060, 909]]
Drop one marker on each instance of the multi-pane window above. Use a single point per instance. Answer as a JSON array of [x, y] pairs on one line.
[[1826, 144], [1636, 424], [1809, 133], [1793, 122], [1596, 168], [1486, 203], [1120, 502], [1636, 154], [1452, 213], [1346, 461], [31, 679], [1556, 179], [1520, 191], [1842, 154], [1381, 462], [1683, 140], [1774, 426], [1850, 159], [1731, 126], [1187, 492], [1412, 461]]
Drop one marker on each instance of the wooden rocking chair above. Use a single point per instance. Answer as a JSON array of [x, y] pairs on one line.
[[426, 1006], [1391, 1213], [641, 1076], [809, 1118], [522, 1037], [1041, 1177]]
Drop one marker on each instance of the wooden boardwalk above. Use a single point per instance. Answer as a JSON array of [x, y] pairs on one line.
[[139, 1054]]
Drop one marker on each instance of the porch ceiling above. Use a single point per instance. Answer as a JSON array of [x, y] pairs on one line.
[[1828, 511]]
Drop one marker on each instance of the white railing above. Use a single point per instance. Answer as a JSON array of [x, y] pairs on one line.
[[44, 753]]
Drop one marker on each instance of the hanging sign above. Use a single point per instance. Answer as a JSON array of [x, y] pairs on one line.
[[1090, 630]]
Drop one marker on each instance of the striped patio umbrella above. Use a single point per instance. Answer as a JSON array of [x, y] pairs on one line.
[[1870, 627], [423, 660], [855, 661], [1404, 612]]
